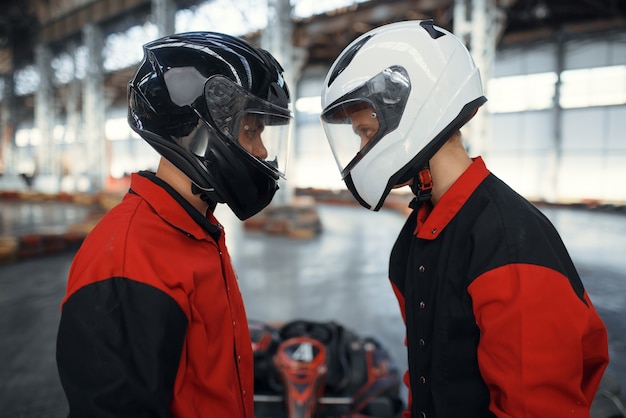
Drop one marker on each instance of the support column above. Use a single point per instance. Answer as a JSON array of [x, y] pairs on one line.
[[549, 187], [479, 23], [77, 166], [7, 126], [287, 215], [94, 109], [47, 155], [277, 39], [164, 12]]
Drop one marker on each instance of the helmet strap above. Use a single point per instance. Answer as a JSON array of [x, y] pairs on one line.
[[208, 196], [422, 187]]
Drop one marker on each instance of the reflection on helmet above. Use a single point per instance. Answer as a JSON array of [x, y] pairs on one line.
[[192, 98], [422, 85]]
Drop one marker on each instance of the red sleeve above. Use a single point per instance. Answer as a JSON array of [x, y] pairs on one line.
[[542, 350], [407, 382]]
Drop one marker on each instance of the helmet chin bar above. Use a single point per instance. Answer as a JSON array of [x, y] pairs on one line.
[[350, 185]]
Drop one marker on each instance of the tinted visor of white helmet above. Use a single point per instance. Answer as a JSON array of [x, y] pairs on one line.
[[259, 127], [356, 122]]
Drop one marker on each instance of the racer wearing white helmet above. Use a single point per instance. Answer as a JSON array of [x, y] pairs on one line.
[[403, 89]]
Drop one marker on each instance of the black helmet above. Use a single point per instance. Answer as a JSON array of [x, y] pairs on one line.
[[201, 100]]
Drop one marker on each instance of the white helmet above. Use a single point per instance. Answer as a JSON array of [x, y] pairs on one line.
[[415, 84]]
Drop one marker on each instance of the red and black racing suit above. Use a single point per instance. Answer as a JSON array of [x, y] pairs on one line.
[[498, 321], [153, 323]]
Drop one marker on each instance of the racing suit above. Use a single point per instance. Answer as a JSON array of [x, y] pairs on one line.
[[498, 321], [153, 323]]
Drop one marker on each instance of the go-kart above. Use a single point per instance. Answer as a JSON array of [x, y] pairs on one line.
[[306, 369]]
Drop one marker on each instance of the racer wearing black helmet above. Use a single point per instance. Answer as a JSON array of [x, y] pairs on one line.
[[153, 322], [217, 108]]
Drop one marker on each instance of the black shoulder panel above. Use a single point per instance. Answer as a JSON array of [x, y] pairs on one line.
[[514, 231], [118, 349]]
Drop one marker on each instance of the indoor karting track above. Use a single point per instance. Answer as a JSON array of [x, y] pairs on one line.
[[340, 275]]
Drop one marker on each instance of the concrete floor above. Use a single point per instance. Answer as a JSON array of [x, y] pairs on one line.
[[340, 275]]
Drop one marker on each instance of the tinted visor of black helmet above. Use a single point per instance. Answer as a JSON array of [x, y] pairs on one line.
[[259, 127]]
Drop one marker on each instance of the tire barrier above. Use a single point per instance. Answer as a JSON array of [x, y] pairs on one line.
[[53, 238]]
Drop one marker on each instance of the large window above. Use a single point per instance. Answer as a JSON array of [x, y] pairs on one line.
[[602, 86], [520, 93]]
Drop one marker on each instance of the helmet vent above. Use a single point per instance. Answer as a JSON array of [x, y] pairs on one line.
[[432, 31], [346, 58]]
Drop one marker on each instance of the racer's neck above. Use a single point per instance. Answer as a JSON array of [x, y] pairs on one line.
[[447, 165], [181, 183]]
